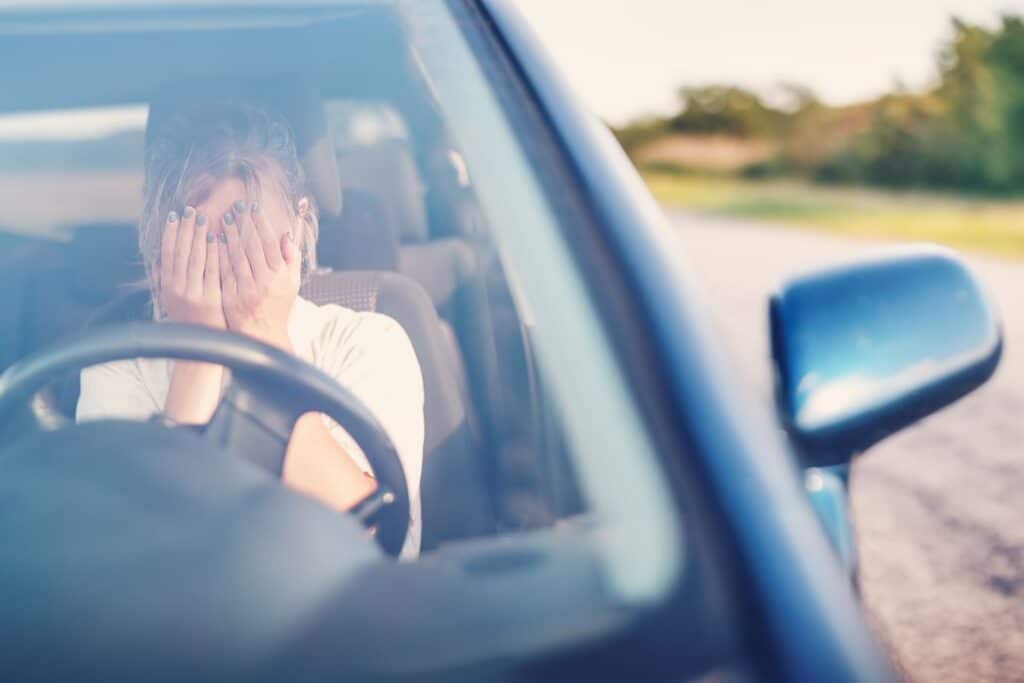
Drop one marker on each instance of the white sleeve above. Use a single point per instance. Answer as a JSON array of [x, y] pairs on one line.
[[371, 356], [114, 390]]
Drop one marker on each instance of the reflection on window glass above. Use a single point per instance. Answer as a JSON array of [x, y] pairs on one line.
[[91, 159], [375, 157], [610, 448], [363, 123]]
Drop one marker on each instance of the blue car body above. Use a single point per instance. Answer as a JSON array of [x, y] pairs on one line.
[[810, 612]]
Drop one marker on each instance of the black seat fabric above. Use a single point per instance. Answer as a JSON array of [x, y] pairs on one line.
[[386, 169], [18, 256], [66, 283], [363, 238], [455, 498], [386, 172], [441, 266]]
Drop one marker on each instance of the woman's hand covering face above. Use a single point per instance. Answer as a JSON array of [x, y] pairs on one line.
[[241, 274], [260, 274], [190, 278]]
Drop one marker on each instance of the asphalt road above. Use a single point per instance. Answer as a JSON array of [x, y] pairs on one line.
[[938, 508]]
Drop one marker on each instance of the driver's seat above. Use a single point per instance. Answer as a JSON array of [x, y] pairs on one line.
[[454, 491]]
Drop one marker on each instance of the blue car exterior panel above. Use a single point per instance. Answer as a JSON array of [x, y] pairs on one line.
[[808, 611]]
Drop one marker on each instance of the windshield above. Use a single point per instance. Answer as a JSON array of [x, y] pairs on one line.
[[408, 248]]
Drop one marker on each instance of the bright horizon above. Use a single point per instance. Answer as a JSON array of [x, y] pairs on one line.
[[629, 59]]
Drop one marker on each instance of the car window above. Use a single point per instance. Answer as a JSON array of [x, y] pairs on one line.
[[609, 447]]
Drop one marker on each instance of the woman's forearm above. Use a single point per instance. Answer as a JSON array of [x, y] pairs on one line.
[[315, 463], [319, 467], [194, 392]]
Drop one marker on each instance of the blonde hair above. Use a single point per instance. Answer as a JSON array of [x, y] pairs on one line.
[[195, 147]]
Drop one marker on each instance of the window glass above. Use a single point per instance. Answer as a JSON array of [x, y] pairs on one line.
[[609, 446], [358, 123], [70, 167]]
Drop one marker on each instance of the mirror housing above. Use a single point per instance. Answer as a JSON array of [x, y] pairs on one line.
[[863, 350]]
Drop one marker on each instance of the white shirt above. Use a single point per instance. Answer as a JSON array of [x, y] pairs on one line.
[[367, 353]]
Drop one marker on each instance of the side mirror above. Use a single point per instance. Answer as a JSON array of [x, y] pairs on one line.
[[864, 350]]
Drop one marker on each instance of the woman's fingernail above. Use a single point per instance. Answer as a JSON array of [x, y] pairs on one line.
[[255, 207], [172, 217], [200, 220], [222, 237], [239, 207], [210, 237], [189, 212], [229, 218]]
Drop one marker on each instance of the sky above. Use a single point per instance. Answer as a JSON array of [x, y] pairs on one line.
[[628, 58]]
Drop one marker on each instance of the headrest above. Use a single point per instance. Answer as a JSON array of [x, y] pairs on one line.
[[289, 96], [387, 170]]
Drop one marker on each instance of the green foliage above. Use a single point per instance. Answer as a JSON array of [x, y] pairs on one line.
[[726, 109], [636, 134], [967, 132], [1005, 142], [987, 224]]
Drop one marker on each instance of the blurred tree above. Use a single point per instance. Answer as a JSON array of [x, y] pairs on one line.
[[637, 133], [1005, 142], [726, 109], [962, 141], [966, 132]]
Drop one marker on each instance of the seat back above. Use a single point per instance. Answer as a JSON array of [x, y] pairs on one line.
[[66, 283], [454, 490], [362, 238], [386, 170]]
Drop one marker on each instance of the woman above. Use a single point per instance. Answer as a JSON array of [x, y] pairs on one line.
[[226, 233]]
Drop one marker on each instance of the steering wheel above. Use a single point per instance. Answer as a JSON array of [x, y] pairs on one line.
[[268, 392]]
